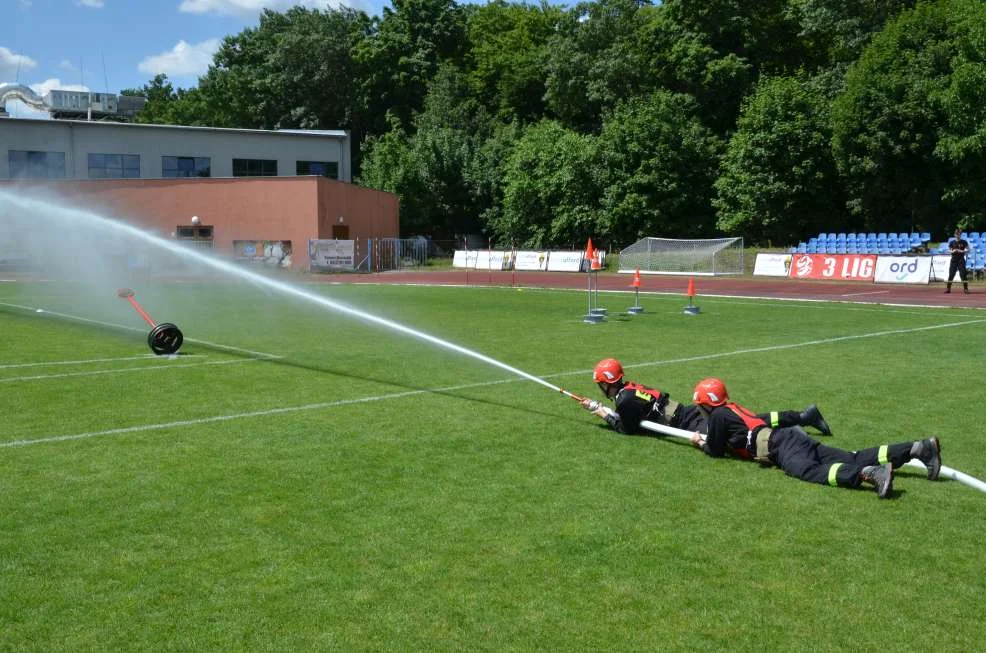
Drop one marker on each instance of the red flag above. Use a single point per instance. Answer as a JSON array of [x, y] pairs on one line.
[[590, 253], [636, 279], [691, 287]]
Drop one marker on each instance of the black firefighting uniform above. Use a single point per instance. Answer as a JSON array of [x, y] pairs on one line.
[[636, 403], [734, 430], [957, 248]]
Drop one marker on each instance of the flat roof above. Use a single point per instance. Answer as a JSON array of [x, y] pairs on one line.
[[324, 133]]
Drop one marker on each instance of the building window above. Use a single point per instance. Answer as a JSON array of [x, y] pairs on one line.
[[114, 166], [254, 167], [328, 169], [25, 164], [186, 166]]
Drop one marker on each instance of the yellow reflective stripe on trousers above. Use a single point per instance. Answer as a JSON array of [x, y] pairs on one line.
[[833, 470], [882, 455], [775, 418]]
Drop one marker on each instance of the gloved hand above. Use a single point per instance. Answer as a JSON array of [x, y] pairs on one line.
[[590, 405]]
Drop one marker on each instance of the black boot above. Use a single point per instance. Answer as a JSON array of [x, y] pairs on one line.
[[881, 476], [811, 416]]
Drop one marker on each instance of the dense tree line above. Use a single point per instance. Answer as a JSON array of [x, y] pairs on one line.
[[541, 124]]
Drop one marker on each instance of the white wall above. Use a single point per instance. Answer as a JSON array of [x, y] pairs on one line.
[[77, 139]]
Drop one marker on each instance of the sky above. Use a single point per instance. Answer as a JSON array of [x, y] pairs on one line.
[[109, 45]]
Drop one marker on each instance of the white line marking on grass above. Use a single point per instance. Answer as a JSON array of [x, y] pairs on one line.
[[411, 393], [146, 368], [130, 328], [255, 413], [9, 366]]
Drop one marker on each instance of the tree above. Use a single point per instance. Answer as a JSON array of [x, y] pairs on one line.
[[595, 60], [778, 180], [403, 53], [509, 47], [908, 130], [550, 196], [656, 162]]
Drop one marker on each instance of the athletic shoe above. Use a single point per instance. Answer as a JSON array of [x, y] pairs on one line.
[[930, 455], [881, 476], [813, 417]]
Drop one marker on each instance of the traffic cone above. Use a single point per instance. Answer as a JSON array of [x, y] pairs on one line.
[[691, 309], [635, 284]]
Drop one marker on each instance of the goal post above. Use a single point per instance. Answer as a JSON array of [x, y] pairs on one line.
[[707, 256]]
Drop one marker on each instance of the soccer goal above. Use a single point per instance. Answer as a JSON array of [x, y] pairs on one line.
[[710, 256]]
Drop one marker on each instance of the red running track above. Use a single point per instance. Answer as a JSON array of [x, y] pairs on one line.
[[774, 288]]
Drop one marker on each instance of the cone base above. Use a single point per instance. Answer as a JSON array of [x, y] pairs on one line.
[[593, 318], [634, 310], [692, 310]]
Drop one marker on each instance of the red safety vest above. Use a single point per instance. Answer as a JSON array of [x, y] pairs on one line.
[[753, 424], [637, 388]]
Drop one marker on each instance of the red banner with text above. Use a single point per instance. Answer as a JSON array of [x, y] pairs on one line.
[[843, 267]]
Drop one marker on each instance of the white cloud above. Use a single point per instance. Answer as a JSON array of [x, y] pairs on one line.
[[92, 4], [65, 64], [12, 65], [252, 7], [183, 60]]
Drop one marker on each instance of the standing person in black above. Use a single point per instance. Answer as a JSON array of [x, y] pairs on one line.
[[958, 248], [735, 431], [635, 403]]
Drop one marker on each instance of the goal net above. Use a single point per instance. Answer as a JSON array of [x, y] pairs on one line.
[[710, 256]]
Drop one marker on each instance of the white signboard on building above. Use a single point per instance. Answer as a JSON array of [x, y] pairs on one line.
[[332, 254]]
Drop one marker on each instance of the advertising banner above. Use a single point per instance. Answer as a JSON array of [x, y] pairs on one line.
[[565, 261], [903, 269], [276, 253], [465, 258], [939, 268], [487, 260], [841, 267], [527, 260], [772, 265], [332, 254]]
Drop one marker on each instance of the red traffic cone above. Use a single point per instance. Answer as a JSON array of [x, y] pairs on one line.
[[690, 309], [636, 279]]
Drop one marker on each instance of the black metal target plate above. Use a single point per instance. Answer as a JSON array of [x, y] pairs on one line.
[[165, 339]]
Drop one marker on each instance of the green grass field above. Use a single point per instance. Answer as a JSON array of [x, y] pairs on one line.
[[297, 480]]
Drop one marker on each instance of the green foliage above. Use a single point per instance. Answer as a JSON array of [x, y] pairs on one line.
[[509, 45], [551, 195], [656, 162], [778, 180], [907, 129]]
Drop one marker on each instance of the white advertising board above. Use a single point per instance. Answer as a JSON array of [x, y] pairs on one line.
[[772, 265], [487, 260], [464, 258], [332, 254], [565, 261], [903, 269], [529, 260], [939, 268]]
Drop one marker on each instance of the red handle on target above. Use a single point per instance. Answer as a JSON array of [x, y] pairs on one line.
[[128, 294]]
